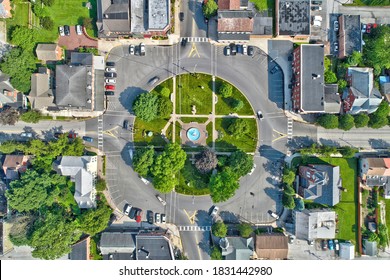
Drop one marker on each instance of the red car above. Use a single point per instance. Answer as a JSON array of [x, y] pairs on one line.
[[369, 28], [110, 87]]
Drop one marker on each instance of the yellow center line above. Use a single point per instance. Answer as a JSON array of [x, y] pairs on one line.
[[191, 218], [193, 49], [197, 245]]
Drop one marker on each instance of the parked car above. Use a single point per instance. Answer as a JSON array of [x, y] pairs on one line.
[[324, 245], [244, 49], [110, 64], [125, 124], [109, 92], [110, 69], [316, 8], [364, 28], [67, 30], [142, 50], [250, 51], [157, 218], [138, 215], [260, 115], [227, 51], [233, 48], [336, 47], [214, 211], [145, 181], [273, 214], [132, 49], [110, 87], [133, 211], [149, 217], [311, 242], [291, 239], [112, 81], [127, 209], [184, 42], [61, 30], [275, 69], [88, 139], [163, 202], [252, 170], [79, 30], [153, 80], [336, 25], [26, 134], [110, 75], [331, 244], [163, 218], [181, 16], [368, 30], [336, 245], [316, 2], [239, 48]]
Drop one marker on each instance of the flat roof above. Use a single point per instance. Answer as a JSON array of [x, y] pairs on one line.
[[353, 34], [158, 14], [294, 17], [138, 16]]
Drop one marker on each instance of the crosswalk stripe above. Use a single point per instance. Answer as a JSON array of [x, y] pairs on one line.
[[194, 228], [195, 39]]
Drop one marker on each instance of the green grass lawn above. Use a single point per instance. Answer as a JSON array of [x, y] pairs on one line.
[[167, 83], [189, 92], [387, 202], [191, 181], [228, 143], [141, 127], [188, 120], [224, 106], [209, 129], [20, 16], [264, 5]]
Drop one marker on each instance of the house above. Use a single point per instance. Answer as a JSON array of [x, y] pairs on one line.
[[320, 183], [235, 25], [262, 25], [347, 251], [5, 9], [332, 104], [82, 171], [384, 82], [292, 18], [48, 53], [237, 248], [315, 224], [376, 172], [80, 250], [229, 5], [308, 93], [370, 248], [117, 245], [137, 18], [153, 246], [10, 96], [350, 35], [14, 165], [41, 94], [271, 246], [361, 95]]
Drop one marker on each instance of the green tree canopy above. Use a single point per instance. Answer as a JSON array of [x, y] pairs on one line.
[[9, 147], [379, 118], [328, 121], [101, 185], [23, 37], [240, 162], [94, 221], [355, 58], [245, 229], [165, 107], [223, 185], [346, 122], [374, 54], [342, 85], [226, 90], [165, 183], [330, 77], [9, 116], [288, 176], [288, 201], [170, 161], [34, 190], [210, 9], [348, 152], [289, 190], [32, 116], [166, 92], [237, 105], [216, 253], [143, 160], [219, 229], [238, 127], [47, 23], [146, 106], [206, 161], [299, 204], [361, 120]]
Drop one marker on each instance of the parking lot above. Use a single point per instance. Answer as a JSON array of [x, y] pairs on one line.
[[319, 10], [301, 250]]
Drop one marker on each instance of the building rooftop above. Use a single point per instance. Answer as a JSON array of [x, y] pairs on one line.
[[153, 247], [332, 99], [352, 35], [48, 52], [262, 25], [294, 17], [272, 246], [139, 16], [117, 242], [158, 14], [237, 248], [113, 16], [80, 250], [229, 4], [315, 224]]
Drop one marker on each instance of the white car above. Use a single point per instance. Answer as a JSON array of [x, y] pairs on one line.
[[110, 69], [144, 181], [364, 28], [163, 202], [157, 218], [26, 134], [214, 211], [163, 218], [132, 49], [142, 49], [244, 49], [127, 209], [273, 215], [252, 170], [110, 81], [79, 30], [61, 30]]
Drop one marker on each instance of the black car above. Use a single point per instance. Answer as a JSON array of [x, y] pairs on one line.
[[125, 124], [184, 42], [110, 75], [233, 49], [275, 69], [239, 48], [133, 211], [181, 16], [109, 93], [150, 217], [67, 30], [110, 64], [250, 51]]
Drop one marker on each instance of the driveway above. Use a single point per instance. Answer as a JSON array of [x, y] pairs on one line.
[[75, 41]]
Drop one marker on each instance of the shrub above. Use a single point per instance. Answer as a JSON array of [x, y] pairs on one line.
[[219, 229], [47, 23], [226, 90], [328, 121], [237, 105], [32, 116], [165, 92]]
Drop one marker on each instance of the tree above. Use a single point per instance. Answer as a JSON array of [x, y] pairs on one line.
[[23, 37], [9, 116], [32, 116], [96, 220], [361, 120], [20, 229], [328, 121], [34, 190], [238, 127], [206, 161], [355, 58], [245, 229], [165, 107], [330, 77], [226, 90], [146, 106], [346, 122], [241, 163], [348, 152], [40, 11], [374, 55], [19, 65], [216, 253], [210, 9], [379, 118], [223, 185], [9, 147], [288, 201], [48, 2], [288, 176], [47, 23], [143, 160], [170, 161], [87, 23], [53, 237], [165, 183], [342, 85], [299, 204], [237, 105], [383, 236], [289, 190], [166, 92], [219, 229], [101, 185]]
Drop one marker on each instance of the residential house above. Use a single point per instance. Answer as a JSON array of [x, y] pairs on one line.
[[137, 18], [332, 104], [229, 5], [10, 96], [80, 250], [82, 171], [308, 93], [14, 165], [117, 245], [235, 25], [320, 183], [361, 96], [48, 53], [376, 172], [347, 251], [350, 35], [292, 18], [41, 95], [384, 82], [271, 246], [5, 9], [370, 248], [153, 246], [237, 248], [315, 224]]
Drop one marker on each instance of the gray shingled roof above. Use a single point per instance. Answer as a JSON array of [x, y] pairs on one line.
[[262, 25], [77, 58], [332, 99], [113, 16], [41, 95], [46, 52], [80, 250], [117, 242], [294, 17], [153, 247]]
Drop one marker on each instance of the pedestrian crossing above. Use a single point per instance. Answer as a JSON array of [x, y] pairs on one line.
[[100, 133], [194, 228], [195, 39], [290, 128]]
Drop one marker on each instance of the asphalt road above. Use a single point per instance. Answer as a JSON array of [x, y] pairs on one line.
[[193, 24]]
